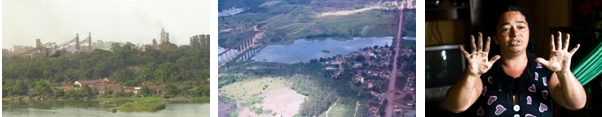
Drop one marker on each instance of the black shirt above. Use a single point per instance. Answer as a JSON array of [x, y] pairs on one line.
[[531, 88]]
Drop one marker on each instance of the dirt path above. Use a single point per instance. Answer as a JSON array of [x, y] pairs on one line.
[[346, 12], [255, 28], [335, 103], [357, 105], [310, 24]]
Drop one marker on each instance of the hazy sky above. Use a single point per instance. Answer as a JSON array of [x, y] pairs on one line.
[[136, 21]]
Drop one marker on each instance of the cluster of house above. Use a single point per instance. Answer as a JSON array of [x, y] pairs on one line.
[[375, 73], [384, 55], [381, 52], [102, 86]]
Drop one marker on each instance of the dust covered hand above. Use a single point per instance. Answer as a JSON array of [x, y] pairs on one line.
[[560, 57], [478, 62]]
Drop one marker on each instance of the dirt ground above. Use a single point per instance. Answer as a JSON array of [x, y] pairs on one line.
[[285, 102]]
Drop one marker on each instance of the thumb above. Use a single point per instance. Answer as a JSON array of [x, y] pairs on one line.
[[494, 59], [543, 62]]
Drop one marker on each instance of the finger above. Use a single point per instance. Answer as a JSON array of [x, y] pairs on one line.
[[566, 42], [480, 41], [486, 49], [552, 46], [559, 41], [464, 52], [473, 47], [494, 59], [575, 49], [543, 62]]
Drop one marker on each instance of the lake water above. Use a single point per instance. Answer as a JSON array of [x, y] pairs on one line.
[[96, 109], [304, 50]]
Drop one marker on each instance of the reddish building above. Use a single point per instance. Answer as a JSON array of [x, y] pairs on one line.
[[93, 83]]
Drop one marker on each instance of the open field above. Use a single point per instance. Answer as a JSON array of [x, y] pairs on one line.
[[264, 97], [246, 90], [285, 102]]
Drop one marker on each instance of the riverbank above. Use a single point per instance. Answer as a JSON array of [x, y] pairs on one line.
[[97, 109], [161, 99], [203, 99], [151, 106], [188, 100]]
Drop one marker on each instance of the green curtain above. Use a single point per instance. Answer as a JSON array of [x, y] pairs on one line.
[[591, 66]]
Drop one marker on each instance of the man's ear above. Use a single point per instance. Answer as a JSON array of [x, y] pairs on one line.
[[495, 40]]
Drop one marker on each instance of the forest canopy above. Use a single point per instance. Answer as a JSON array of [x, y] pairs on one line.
[[124, 64]]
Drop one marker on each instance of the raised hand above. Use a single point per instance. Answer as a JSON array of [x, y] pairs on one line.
[[478, 63], [560, 58]]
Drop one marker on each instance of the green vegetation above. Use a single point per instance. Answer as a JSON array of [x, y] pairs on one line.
[[321, 91], [188, 100], [201, 99], [342, 109], [141, 106], [286, 21], [252, 87], [233, 113], [186, 66], [259, 110], [312, 80], [326, 51]]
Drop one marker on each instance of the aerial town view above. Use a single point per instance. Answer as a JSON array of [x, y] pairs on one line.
[[339, 58], [101, 60]]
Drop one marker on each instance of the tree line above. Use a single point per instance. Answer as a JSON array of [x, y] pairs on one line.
[[124, 64]]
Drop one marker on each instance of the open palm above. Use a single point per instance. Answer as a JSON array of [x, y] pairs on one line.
[[560, 58], [478, 62]]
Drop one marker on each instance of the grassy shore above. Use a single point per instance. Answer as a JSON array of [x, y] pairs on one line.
[[151, 106], [188, 100], [161, 99]]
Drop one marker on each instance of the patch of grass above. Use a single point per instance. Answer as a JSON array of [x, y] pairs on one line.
[[254, 100], [257, 110], [233, 113], [151, 106], [260, 110], [342, 110], [227, 99], [203, 99], [247, 89]]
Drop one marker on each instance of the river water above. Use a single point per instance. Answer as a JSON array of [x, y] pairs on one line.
[[96, 109], [304, 50]]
